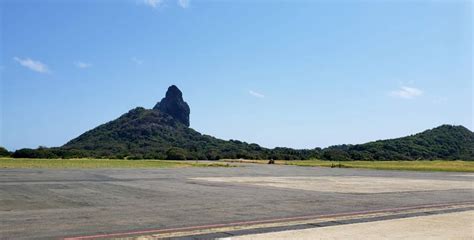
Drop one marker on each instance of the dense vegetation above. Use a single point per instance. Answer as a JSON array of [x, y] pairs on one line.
[[4, 152], [163, 133], [444, 142], [151, 134]]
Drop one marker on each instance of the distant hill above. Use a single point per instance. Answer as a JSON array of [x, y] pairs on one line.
[[164, 133], [4, 152], [444, 142], [147, 133]]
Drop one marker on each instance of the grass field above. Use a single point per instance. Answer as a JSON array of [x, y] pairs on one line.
[[436, 165], [102, 163]]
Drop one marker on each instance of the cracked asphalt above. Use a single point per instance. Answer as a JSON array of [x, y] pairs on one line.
[[52, 203]]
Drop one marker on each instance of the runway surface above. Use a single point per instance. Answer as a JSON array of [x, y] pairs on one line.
[[458, 225], [51, 203]]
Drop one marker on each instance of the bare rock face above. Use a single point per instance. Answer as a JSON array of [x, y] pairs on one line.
[[174, 105]]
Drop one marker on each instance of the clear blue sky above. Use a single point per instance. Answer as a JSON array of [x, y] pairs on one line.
[[300, 74]]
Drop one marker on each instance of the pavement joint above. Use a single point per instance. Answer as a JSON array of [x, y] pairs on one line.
[[341, 219]]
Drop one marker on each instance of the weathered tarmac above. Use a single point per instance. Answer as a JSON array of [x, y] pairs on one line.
[[52, 204], [457, 225]]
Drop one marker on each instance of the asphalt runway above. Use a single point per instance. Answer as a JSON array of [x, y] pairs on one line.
[[55, 204]]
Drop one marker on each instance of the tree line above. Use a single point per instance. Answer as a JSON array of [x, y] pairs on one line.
[[148, 134]]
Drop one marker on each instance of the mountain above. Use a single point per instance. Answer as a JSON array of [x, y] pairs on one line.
[[164, 133], [149, 133], [444, 142], [174, 105], [161, 133]]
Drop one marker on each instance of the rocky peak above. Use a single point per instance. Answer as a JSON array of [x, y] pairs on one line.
[[174, 105]]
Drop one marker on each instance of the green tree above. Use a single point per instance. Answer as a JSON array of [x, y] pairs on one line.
[[4, 152], [176, 153]]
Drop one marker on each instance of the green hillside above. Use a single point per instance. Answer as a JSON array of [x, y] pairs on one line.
[[145, 133], [444, 142], [164, 133]]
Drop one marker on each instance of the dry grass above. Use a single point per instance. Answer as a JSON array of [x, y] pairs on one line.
[[102, 163], [435, 165]]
